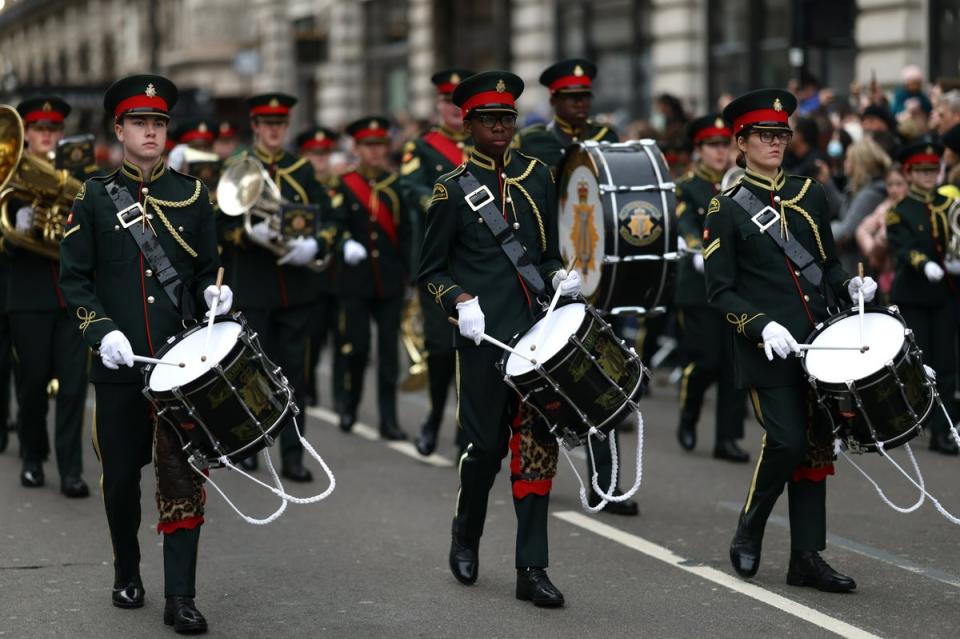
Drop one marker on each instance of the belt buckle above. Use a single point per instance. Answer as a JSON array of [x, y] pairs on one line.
[[481, 190], [763, 226], [134, 208]]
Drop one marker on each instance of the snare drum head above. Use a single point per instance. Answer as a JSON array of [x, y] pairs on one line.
[[188, 350], [564, 322], [883, 333]]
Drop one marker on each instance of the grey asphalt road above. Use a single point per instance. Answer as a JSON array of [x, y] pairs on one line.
[[370, 561]]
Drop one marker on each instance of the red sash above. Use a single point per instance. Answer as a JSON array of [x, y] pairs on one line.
[[374, 204], [445, 147]]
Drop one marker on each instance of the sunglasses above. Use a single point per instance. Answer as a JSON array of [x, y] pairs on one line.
[[488, 120]]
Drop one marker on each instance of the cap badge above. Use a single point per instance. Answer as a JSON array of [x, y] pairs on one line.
[[373, 125], [501, 87], [578, 70], [274, 102], [718, 123], [455, 78], [929, 150], [151, 91], [319, 136], [202, 127], [224, 127], [777, 105], [47, 106]]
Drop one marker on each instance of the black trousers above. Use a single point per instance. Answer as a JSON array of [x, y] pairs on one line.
[[48, 345], [284, 336], [485, 411], [354, 331], [323, 330], [783, 412], [6, 369], [935, 329], [441, 371], [709, 352], [123, 437]]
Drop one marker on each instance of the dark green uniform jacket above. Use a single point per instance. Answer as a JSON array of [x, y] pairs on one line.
[[460, 254], [694, 192], [918, 232], [258, 282], [751, 282], [377, 217], [104, 279], [547, 142]]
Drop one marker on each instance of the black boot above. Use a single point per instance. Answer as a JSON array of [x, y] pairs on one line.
[[249, 464], [390, 431], [182, 614], [464, 558], [347, 419], [628, 508], [534, 585], [745, 551], [807, 568], [295, 471], [129, 593], [687, 436], [73, 486], [942, 442], [729, 450], [426, 441], [4, 437], [32, 475]]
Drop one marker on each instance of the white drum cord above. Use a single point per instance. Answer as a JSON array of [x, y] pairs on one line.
[[277, 488]]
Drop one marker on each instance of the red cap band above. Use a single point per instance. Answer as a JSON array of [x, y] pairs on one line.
[[266, 109], [446, 87], [196, 135], [141, 101], [314, 143], [43, 116], [760, 115], [570, 81], [488, 97], [363, 134], [922, 158], [712, 132]]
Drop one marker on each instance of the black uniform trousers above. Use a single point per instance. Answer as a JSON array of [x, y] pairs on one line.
[[123, 437], [284, 337], [48, 345], [485, 411], [935, 329], [709, 351], [323, 327], [784, 412], [354, 334], [6, 368]]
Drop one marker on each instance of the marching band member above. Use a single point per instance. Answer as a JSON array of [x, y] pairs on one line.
[[925, 283], [43, 332], [772, 300], [439, 151], [372, 271], [227, 140], [705, 339], [465, 271], [129, 294]]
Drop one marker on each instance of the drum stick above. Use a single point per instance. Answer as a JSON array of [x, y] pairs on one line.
[[812, 347], [860, 304], [553, 305], [154, 360], [213, 309], [498, 343]]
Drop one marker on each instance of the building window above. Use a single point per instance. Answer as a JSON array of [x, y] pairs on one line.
[[475, 35], [944, 44], [386, 30], [748, 45]]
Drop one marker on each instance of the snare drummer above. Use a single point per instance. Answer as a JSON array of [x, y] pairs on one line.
[[122, 307], [464, 269], [771, 302]]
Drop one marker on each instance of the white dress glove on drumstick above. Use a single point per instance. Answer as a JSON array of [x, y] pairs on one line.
[[568, 283], [777, 339], [868, 286], [471, 320], [226, 299], [115, 350]]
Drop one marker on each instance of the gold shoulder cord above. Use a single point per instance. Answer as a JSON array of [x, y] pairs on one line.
[[156, 204], [515, 181], [792, 204]]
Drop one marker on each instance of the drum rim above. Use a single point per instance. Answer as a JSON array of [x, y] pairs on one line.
[[897, 440]]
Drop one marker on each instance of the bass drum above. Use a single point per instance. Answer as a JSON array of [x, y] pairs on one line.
[[617, 219]]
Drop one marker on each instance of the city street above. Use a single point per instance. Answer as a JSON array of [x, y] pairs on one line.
[[371, 561]]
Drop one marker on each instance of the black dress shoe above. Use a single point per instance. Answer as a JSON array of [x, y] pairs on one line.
[[32, 475], [745, 552], [687, 437], [249, 463], [4, 437], [729, 450], [347, 418], [464, 560], [74, 487], [534, 585], [807, 568], [426, 441], [297, 473], [129, 594], [182, 614], [628, 508], [943, 443], [391, 432]]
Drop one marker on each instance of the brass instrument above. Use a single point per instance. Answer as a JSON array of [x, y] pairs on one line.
[[953, 218], [246, 189], [411, 336], [50, 192], [732, 177], [203, 165]]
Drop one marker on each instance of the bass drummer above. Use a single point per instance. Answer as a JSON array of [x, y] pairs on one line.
[[772, 301], [138, 258]]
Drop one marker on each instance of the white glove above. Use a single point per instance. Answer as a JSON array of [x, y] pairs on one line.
[[471, 320], [353, 252], [932, 374], [115, 350], [300, 251], [682, 245], [952, 264], [226, 299], [24, 219], [262, 232], [698, 262], [777, 339], [933, 271], [867, 286], [568, 283]]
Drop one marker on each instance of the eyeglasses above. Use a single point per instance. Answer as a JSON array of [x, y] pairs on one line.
[[767, 137], [488, 120]]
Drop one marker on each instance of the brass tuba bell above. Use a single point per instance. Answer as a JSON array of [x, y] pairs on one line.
[[953, 219], [412, 339], [48, 191]]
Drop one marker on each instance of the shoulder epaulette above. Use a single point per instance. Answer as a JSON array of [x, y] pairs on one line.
[[293, 167], [530, 157], [446, 177], [106, 177], [533, 128]]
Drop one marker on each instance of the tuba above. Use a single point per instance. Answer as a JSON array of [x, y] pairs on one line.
[[953, 219], [246, 189], [49, 191], [412, 338], [732, 177]]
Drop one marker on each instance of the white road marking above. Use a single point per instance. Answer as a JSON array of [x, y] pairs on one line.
[[369, 433], [753, 591]]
